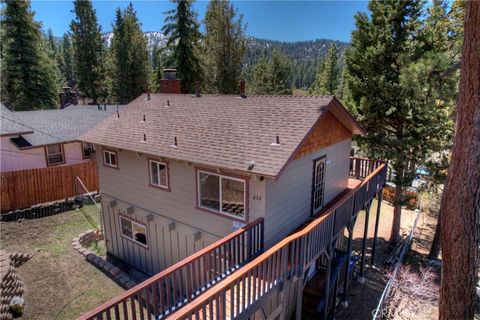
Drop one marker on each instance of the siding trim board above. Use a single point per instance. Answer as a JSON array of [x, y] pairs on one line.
[[246, 181], [167, 188]]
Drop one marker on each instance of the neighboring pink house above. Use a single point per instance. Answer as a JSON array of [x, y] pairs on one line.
[[43, 138]]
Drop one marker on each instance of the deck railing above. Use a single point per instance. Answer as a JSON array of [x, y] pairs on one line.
[[182, 282], [360, 168], [237, 293]]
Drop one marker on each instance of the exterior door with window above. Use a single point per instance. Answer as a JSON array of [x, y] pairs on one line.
[[318, 186]]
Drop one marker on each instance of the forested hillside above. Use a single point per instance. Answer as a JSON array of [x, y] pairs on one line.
[[305, 55]]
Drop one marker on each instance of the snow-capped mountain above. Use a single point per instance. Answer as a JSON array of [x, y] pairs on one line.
[[154, 39]]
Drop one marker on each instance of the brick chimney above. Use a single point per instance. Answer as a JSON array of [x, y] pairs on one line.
[[242, 89], [170, 83]]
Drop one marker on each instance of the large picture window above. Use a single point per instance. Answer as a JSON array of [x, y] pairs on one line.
[[110, 158], [54, 154], [134, 231], [222, 194], [158, 174]]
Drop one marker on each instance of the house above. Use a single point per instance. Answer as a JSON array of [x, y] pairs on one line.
[[43, 138], [178, 172]]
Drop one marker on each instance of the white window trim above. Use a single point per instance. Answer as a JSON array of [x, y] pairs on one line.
[[105, 152], [120, 217], [54, 154], [159, 185], [199, 202]]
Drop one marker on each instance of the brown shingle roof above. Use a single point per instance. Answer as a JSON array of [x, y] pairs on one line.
[[224, 131]]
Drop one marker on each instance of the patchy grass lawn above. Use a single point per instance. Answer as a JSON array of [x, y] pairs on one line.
[[59, 282]]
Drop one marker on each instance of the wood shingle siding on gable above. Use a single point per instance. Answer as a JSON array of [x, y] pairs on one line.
[[326, 132]]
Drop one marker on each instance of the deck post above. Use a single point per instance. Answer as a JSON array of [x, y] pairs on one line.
[[326, 294], [377, 222], [344, 301], [361, 279], [300, 276]]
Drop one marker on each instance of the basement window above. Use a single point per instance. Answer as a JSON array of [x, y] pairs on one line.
[[223, 194], [54, 154], [158, 174], [110, 159], [133, 231]]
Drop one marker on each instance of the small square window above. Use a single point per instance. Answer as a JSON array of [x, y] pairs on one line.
[[110, 158], [54, 154], [158, 174]]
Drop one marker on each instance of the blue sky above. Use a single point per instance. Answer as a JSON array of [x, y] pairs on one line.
[[276, 20]]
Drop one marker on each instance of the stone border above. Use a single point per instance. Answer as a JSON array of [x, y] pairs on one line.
[[79, 244]]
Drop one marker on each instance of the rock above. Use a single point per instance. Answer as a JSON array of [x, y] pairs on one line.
[[17, 305]]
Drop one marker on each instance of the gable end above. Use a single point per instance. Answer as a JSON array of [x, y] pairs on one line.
[[329, 130]]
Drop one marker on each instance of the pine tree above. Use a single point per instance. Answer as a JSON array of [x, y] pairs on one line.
[[224, 47], [273, 76], [28, 75], [88, 50], [68, 57], [184, 38], [327, 77], [461, 197], [395, 91], [128, 65], [54, 51]]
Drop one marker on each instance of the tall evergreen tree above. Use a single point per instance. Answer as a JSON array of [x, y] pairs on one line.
[[68, 59], [28, 74], [54, 51], [327, 78], [272, 77], [129, 68], [88, 50], [224, 47], [460, 204], [184, 38], [394, 90]]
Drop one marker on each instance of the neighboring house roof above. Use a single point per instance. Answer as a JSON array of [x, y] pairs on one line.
[[44, 127], [224, 131], [8, 125]]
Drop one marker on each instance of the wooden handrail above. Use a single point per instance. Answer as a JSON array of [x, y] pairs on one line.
[[121, 298], [249, 269]]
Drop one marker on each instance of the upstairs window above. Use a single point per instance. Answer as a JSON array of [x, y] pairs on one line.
[[87, 150], [54, 154], [133, 231], [110, 158], [158, 174], [222, 194]]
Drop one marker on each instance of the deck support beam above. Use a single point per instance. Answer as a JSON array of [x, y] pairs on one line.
[[344, 300], [361, 279], [326, 294], [377, 222]]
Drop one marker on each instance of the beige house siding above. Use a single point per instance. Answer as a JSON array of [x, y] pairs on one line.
[[129, 186], [286, 202], [289, 198]]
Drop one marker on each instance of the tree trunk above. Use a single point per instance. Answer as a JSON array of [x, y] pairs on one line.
[[460, 207], [397, 215], [435, 248]]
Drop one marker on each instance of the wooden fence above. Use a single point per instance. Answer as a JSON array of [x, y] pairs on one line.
[[25, 188]]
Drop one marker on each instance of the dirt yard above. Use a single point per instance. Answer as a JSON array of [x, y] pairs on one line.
[[363, 298], [59, 282]]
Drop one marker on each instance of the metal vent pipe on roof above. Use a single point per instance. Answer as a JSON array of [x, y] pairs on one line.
[[197, 88], [242, 89]]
